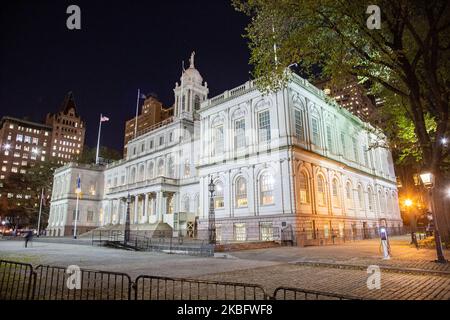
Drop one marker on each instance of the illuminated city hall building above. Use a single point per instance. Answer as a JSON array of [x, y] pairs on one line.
[[288, 160]]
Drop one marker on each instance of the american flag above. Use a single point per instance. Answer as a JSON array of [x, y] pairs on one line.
[[103, 119]]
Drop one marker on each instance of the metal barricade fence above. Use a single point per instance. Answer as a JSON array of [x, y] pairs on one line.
[[55, 283], [16, 280], [163, 288], [288, 293]]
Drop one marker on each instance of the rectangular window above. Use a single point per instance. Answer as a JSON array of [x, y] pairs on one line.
[[35, 140], [299, 129], [151, 144], [309, 230], [240, 233], [264, 126], [355, 149], [19, 137], [266, 231], [27, 139], [366, 156], [315, 131], [161, 140], [90, 216], [344, 153], [239, 134], [329, 140]]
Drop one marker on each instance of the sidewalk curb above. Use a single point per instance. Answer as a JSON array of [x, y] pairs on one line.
[[364, 267]]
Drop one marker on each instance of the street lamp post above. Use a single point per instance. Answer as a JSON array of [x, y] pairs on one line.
[[126, 237], [211, 216], [412, 221], [428, 181]]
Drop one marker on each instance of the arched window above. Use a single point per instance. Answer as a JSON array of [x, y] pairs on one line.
[[161, 167], [141, 173], [170, 168], [150, 170], [241, 192], [218, 195], [303, 187], [360, 197], [266, 185], [382, 202], [370, 199], [335, 193], [320, 190], [349, 194], [186, 204]]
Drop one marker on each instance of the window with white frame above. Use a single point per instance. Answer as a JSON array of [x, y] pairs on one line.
[[150, 170], [240, 232], [303, 187], [321, 190], [186, 204], [315, 131], [349, 194], [241, 192], [370, 199], [161, 167], [299, 127], [360, 197], [218, 141], [267, 183], [355, 149], [366, 156], [218, 195], [264, 126], [239, 133], [344, 145], [330, 146], [335, 193], [170, 168], [266, 231]]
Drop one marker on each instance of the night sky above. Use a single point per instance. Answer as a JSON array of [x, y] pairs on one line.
[[122, 46]]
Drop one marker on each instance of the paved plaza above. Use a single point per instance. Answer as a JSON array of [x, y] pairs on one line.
[[410, 274]]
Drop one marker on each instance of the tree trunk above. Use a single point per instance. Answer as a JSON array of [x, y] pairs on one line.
[[442, 208]]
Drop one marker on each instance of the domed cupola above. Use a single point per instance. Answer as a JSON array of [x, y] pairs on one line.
[[191, 92]]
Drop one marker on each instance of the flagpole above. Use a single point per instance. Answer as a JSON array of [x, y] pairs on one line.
[[78, 192], [137, 112], [76, 217], [98, 139], [40, 212]]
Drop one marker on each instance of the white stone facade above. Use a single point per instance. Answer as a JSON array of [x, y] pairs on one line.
[[286, 160]]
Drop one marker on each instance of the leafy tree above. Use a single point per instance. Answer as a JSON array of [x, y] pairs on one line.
[[107, 154], [22, 209], [406, 61]]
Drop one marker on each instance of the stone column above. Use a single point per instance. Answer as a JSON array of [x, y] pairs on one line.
[[136, 209], [159, 206], [145, 211]]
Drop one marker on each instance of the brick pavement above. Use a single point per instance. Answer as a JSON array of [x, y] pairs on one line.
[[342, 281]]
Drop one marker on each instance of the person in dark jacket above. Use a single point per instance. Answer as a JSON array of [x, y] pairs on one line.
[[28, 237]]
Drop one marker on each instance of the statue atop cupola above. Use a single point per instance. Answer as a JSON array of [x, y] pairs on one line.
[[191, 92]]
